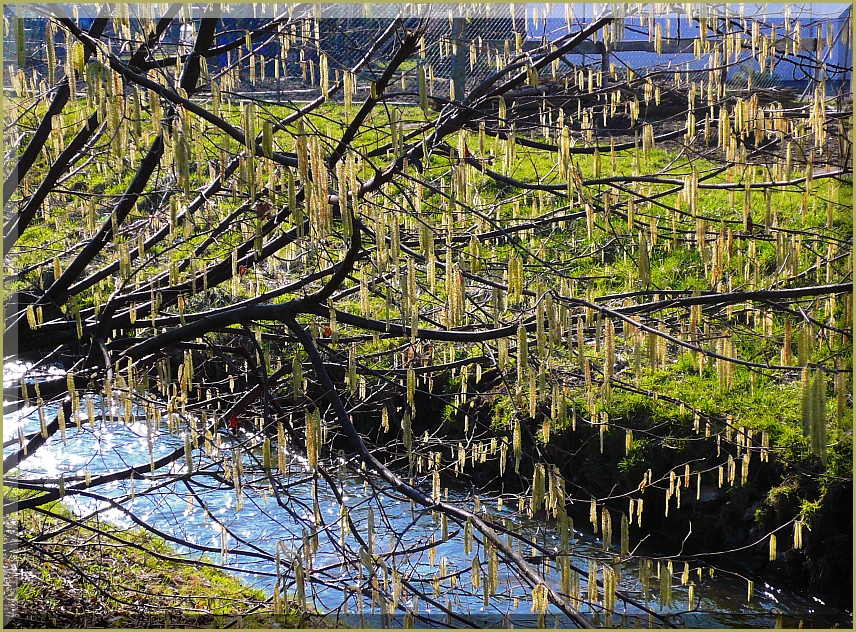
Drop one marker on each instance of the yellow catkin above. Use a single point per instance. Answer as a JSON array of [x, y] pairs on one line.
[[592, 582], [666, 585], [297, 376], [593, 514], [625, 535], [515, 279], [188, 452], [281, 453], [537, 489], [606, 523], [644, 266], [645, 574], [609, 581], [62, 427], [468, 537], [312, 437], [609, 357], [522, 354], [493, 569], [407, 434]]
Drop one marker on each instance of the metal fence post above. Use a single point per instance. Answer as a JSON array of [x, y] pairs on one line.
[[459, 60], [604, 58]]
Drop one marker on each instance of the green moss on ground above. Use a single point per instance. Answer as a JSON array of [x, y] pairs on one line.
[[79, 577]]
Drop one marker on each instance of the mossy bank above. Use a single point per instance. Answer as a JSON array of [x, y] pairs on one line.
[[60, 573], [718, 515]]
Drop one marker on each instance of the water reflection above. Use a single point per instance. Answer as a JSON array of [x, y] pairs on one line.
[[263, 526]]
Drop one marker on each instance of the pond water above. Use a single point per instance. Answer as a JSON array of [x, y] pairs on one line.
[[264, 526]]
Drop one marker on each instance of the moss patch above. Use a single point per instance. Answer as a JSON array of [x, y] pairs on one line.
[[63, 575]]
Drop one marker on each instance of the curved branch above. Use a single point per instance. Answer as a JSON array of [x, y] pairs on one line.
[[379, 468]]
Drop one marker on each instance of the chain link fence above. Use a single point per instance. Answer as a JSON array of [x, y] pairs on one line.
[[814, 43]]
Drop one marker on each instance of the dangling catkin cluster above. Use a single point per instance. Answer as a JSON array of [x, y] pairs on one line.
[[540, 599], [518, 446], [515, 279], [456, 293], [798, 534], [314, 441], [625, 535], [537, 489], [297, 375], [666, 586], [644, 266], [610, 585], [522, 354], [725, 368], [593, 595], [814, 410], [606, 523]]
